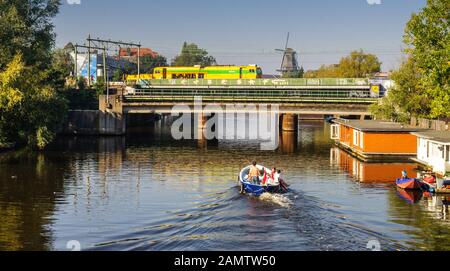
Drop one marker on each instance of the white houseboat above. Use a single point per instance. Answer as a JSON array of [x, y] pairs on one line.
[[434, 150]]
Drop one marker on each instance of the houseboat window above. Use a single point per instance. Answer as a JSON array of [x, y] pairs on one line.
[[335, 131], [428, 149], [436, 150], [447, 151], [356, 138], [419, 144], [361, 140]]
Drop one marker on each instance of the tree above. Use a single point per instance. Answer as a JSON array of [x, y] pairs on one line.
[[61, 68], [408, 92], [325, 71], [356, 65], [428, 36], [81, 83], [30, 112], [359, 65], [422, 81], [100, 85], [192, 55], [118, 75], [301, 72], [31, 108], [388, 109], [148, 63], [298, 74], [27, 28]]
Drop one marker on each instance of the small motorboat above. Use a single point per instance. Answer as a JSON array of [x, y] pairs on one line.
[[409, 183], [267, 185], [413, 184]]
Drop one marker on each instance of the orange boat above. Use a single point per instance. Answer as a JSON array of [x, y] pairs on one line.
[[409, 184]]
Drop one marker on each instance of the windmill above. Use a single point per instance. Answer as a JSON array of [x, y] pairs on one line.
[[289, 64]]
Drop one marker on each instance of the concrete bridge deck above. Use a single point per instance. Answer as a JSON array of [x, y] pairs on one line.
[[332, 100]]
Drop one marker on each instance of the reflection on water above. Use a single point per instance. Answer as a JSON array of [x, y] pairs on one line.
[[373, 172], [148, 192], [410, 196]]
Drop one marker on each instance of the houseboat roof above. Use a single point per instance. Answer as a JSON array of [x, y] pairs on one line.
[[439, 136], [377, 126]]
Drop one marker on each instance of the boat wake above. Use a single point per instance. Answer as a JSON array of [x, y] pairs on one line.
[[277, 199]]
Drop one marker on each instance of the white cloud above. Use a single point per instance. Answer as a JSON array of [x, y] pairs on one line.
[[374, 2], [74, 2]]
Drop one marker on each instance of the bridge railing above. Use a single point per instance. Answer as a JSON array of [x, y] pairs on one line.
[[257, 82]]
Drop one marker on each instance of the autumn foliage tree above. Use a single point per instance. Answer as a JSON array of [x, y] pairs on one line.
[[356, 65], [31, 108]]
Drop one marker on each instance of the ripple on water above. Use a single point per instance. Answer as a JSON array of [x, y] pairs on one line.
[[152, 193]]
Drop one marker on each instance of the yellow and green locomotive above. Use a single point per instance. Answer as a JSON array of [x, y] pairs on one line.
[[212, 72]]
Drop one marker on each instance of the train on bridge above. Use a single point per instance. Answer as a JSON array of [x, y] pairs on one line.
[[237, 81], [199, 72]]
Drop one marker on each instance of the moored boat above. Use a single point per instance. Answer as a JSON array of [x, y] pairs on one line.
[[267, 186], [412, 184], [409, 184]]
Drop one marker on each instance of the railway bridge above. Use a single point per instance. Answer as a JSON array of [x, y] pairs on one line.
[[291, 97]]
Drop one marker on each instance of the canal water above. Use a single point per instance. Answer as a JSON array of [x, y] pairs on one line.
[[149, 192]]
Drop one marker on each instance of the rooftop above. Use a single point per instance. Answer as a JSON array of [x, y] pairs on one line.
[[133, 52], [377, 126], [439, 136]]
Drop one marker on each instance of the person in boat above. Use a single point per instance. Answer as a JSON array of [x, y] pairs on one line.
[[276, 177], [429, 178], [272, 175], [254, 174], [282, 183], [404, 174]]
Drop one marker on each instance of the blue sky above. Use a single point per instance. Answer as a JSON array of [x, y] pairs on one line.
[[246, 31]]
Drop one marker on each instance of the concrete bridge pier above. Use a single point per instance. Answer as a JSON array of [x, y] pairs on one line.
[[201, 122], [207, 136], [289, 122], [289, 132], [205, 133]]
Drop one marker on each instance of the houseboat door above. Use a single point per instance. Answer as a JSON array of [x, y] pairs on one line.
[[164, 73]]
